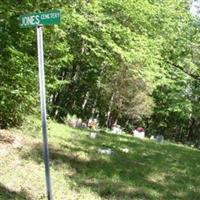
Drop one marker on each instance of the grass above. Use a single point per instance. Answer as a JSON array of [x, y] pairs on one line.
[[149, 171]]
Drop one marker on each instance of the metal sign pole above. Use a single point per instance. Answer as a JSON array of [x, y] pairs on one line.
[[43, 108]]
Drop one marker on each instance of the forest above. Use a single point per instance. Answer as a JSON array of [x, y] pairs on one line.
[[135, 63]]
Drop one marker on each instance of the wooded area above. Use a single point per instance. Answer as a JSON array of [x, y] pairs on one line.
[[134, 62]]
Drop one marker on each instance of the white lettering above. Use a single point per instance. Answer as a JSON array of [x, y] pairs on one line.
[[31, 20], [37, 19], [45, 16], [28, 20]]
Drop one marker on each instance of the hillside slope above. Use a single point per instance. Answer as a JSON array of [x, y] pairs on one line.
[[149, 171]]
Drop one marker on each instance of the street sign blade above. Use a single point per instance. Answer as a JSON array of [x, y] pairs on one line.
[[44, 18]]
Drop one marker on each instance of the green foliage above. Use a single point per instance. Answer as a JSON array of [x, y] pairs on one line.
[[131, 62], [17, 68]]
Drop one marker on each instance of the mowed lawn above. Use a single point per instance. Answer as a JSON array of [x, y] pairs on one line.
[[149, 171]]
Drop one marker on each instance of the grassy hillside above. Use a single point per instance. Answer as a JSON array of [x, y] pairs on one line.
[[149, 171]]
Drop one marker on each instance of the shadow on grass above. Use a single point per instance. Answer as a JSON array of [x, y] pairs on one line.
[[108, 189], [6, 194], [149, 171]]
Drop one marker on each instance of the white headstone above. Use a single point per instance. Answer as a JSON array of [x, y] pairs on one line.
[[116, 130], [93, 135], [105, 151], [195, 8], [138, 134], [125, 150], [152, 137]]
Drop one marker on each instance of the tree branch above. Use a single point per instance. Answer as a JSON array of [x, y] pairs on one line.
[[194, 76]]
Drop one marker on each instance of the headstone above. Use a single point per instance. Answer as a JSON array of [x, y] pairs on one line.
[[79, 123], [72, 123], [138, 134], [93, 135], [125, 150], [116, 130], [105, 151], [84, 125], [152, 137], [159, 138], [76, 123]]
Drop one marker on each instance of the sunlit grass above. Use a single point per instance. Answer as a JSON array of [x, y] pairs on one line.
[[148, 171]]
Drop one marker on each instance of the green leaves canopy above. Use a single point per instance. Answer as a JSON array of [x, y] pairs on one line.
[[113, 59]]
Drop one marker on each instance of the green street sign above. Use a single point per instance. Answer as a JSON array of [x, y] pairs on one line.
[[44, 18]]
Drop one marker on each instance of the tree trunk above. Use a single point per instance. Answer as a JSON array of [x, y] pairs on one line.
[[190, 130], [85, 99], [94, 107], [109, 110]]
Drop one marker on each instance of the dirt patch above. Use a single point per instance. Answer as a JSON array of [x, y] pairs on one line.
[[9, 141], [6, 137]]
